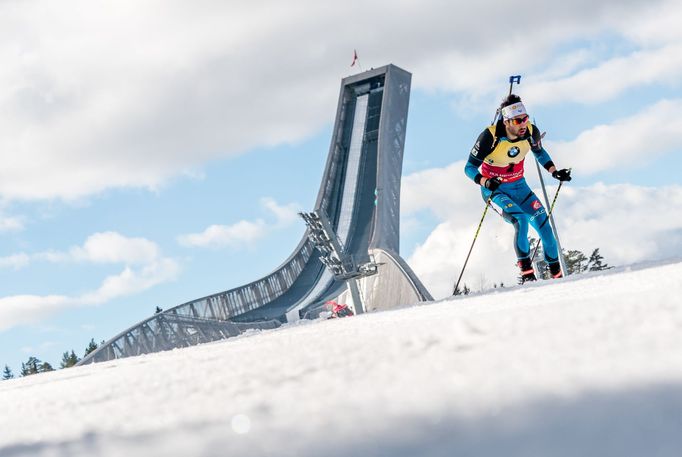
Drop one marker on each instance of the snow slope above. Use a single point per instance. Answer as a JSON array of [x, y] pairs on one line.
[[575, 367]]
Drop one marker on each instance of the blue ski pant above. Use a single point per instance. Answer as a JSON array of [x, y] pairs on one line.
[[521, 208]]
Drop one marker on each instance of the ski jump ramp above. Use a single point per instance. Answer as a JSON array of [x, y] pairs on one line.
[[359, 193]]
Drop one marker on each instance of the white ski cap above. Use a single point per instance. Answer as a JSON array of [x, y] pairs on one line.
[[517, 109]]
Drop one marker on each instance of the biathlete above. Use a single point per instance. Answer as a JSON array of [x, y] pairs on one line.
[[496, 164]]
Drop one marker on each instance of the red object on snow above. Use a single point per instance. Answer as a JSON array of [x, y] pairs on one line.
[[339, 310]]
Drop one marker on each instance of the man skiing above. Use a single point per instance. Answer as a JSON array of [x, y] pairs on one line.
[[496, 164]]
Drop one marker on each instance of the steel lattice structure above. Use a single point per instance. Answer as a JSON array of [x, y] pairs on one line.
[[360, 193]]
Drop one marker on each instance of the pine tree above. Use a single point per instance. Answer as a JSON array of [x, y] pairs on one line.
[[464, 291], [576, 262], [45, 367], [7, 373], [92, 346], [69, 360], [595, 263], [31, 367]]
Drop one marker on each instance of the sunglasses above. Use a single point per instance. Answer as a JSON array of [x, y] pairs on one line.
[[519, 120]]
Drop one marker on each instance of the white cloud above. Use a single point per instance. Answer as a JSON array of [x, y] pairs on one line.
[[439, 260], [112, 247], [610, 78], [10, 223], [439, 190], [564, 65], [24, 309], [144, 268], [656, 25], [102, 247], [243, 232], [285, 214], [620, 144], [226, 235], [131, 281], [130, 94], [629, 223], [15, 261]]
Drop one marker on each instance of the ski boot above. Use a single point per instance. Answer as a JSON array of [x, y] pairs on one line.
[[527, 272], [555, 270]]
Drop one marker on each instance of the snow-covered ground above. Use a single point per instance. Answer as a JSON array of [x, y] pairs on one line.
[[590, 366]]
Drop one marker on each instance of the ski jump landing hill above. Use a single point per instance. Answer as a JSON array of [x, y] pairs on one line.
[[359, 194]]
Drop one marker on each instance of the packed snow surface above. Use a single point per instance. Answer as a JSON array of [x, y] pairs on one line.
[[583, 366]]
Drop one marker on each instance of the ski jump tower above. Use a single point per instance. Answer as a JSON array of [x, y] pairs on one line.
[[359, 197]]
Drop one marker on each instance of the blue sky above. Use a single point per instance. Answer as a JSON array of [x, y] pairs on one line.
[[156, 153]]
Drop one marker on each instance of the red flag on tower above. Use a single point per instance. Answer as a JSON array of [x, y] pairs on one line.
[[355, 57]]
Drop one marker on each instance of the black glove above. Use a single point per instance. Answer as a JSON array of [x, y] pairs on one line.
[[493, 183], [562, 175]]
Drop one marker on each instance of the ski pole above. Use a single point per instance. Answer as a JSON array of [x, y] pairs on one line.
[[551, 208], [485, 211]]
